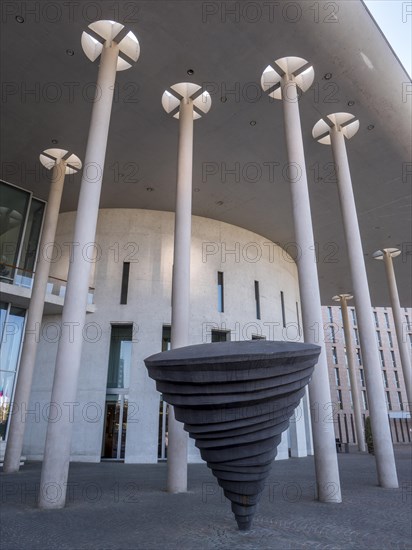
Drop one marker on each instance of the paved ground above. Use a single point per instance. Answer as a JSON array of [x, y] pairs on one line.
[[120, 507]]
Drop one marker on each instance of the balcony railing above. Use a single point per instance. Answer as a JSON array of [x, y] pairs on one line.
[[24, 278]]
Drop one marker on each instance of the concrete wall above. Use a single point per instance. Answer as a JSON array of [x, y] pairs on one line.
[[145, 239]]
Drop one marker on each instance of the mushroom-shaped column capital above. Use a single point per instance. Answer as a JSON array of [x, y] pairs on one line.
[[295, 69], [346, 123], [52, 157], [102, 34], [186, 91]]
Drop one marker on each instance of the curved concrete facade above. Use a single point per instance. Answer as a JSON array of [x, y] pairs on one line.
[[145, 239]]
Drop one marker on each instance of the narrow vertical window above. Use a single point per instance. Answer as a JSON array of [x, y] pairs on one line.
[[339, 394], [257, 299], [337, 377], [362, 377], [365, 400], [378, 338], [388, 401], [282, 301], [354, 316], [125, 283], [166, 337], [220, 292], [397, 383], [334, 355], [298, 317], [400, 400], [330, 314]]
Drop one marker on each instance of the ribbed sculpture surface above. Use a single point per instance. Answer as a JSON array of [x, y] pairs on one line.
[[235, 399]]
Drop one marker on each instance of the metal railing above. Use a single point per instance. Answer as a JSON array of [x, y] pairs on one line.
[[24, 278]]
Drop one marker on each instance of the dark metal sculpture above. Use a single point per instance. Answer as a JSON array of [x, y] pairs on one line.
[[235, 399]]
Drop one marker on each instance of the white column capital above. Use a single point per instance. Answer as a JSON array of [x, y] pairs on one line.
[[346, 123], [185, 93], [342, 298], [386, 253], [54, 157], [110, 34], [286, 70]]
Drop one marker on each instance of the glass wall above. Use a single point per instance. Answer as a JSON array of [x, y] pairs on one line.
[[118, 377], [120, 356], [11, 326], [21, 218]]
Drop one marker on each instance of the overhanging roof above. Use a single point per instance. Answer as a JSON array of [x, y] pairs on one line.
[[229, 53]]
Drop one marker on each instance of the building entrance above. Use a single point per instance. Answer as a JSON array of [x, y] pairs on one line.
[[115, 425], [117, 399]]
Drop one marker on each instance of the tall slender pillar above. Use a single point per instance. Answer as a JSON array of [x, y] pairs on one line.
[[404, 350], [332, 130], [115, 44], [353, 377], [281, 81], [186, 102], [61, 163]]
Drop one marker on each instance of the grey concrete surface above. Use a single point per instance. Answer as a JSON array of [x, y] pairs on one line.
[[113, 506]]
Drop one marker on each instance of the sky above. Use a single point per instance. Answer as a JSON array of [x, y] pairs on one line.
[[394, 17]]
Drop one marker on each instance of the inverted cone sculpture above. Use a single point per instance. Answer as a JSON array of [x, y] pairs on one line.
[[235, 399]]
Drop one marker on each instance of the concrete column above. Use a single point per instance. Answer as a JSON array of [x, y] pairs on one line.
[[281, 81], [385, 460], [177, 448], [326, 464], [404, 350], [180, 102], [68, 362], [353, 377], [35, 312], [53, 483]]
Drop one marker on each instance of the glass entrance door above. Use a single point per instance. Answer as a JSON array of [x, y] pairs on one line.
[[114, 438], [118, 376], [163, 430]]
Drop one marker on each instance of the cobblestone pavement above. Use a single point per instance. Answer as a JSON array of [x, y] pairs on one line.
[[115, 506]]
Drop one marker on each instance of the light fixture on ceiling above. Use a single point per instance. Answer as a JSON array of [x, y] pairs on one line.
[[253, 122], [19, 19], [55, 141], [219, 203], [223, 99], [196, 189], [149, 189], [70, 52], [190, 72], [351, 103], [371, 126], [327, 76]]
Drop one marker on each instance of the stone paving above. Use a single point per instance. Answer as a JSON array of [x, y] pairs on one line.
[[114, 506]]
